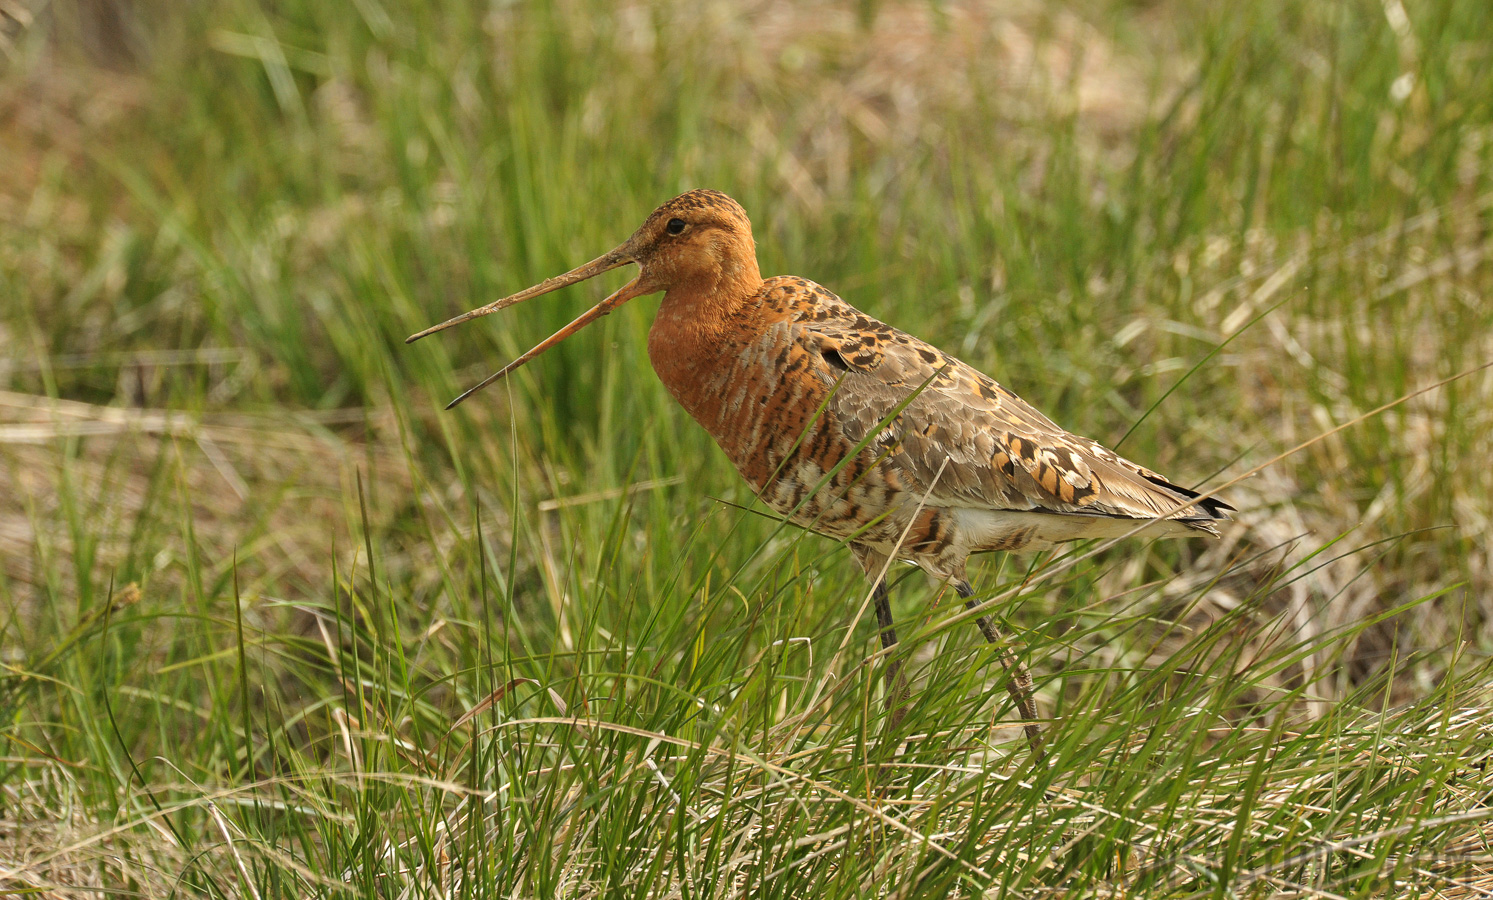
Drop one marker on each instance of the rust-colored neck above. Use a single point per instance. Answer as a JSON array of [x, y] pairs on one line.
[[698, 312], [700, 298]]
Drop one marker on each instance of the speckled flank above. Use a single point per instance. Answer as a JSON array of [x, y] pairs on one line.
[[789, 379]]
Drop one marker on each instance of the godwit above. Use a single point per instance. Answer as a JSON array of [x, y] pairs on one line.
[[857, 430]]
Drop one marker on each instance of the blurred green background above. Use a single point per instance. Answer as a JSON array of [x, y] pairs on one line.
[[251, 575]]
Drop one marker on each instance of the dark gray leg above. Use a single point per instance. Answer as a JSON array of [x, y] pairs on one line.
[[896, 685], [1018, 678]]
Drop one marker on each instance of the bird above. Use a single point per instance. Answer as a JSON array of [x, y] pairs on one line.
[[859, 431]]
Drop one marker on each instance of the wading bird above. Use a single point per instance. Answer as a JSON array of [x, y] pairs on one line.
[[859, 431]]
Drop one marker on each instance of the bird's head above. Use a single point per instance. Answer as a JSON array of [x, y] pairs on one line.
[[699, 243]]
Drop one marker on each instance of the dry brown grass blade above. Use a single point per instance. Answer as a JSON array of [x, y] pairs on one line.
[[487, 702]]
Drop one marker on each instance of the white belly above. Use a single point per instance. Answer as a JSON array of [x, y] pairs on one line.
[[987, 529]]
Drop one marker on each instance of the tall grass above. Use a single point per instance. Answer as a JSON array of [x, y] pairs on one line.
[[276, 625]]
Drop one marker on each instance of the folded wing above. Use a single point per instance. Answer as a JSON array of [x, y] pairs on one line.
[[993, 450]]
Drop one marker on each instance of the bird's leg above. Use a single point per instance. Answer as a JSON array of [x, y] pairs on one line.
[[874, 564], [896, 684], [1018, 677]]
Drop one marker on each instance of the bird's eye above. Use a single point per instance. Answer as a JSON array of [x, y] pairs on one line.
[[675, 226]]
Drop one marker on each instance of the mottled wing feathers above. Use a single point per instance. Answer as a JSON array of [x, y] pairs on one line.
[[994, 450]]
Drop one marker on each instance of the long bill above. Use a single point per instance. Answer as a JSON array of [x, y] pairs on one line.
[[595, 267], [590, 270]]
